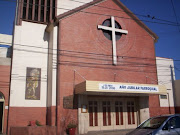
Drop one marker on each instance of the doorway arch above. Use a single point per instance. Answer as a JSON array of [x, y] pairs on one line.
[[1, 112]]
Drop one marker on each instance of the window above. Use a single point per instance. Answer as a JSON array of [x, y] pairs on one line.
[[93, 113], [173, 123], [130, 110], [163, 96], [107, 33], [41, 11], [119, 112], [106, 106], [153, 123]]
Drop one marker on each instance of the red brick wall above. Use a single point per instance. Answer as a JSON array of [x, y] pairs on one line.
[[51, 116], [4, 89], [20, 116], [155, 109], [35, 130], [79, 33]]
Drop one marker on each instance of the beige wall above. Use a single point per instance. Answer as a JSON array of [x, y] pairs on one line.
[[52, 67], [66, 5], [26, 35], [165, 78], [143, 109], [177, 93], [5, 40]]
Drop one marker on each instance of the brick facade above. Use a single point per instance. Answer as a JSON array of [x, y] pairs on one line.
[[91, 54], [22, 115], [4, 89], [155, 109], [84, 53]]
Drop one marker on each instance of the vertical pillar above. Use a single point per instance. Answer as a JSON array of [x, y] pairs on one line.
[[82, 117]]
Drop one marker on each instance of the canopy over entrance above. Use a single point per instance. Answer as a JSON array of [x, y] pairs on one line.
[[118, 88]]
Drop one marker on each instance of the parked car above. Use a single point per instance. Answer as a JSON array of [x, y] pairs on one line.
[[160, 125]]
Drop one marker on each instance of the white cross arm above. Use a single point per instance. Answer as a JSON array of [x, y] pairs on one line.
[[121, 31], [111, 29], [104, 27]]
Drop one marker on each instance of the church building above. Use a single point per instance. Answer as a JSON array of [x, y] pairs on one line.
[[89, 62]]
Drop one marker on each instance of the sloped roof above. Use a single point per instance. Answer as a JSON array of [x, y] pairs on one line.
[[95, 2]]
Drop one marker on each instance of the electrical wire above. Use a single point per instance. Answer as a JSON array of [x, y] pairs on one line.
[[94, 13], [175, 14], [83, 53]]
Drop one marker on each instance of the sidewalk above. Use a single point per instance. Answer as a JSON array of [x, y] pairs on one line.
[[114, 132]]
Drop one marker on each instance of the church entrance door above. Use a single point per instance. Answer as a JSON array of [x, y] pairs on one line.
[[112, 113]]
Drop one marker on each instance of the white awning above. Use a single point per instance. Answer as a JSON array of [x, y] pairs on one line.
[[118, 88]]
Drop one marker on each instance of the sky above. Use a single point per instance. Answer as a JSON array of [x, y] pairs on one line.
[[168, 44]]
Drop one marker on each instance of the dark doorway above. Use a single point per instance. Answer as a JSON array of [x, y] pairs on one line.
[[1, 115]]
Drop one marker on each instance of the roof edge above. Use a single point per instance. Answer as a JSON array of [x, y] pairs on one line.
[[136, 19], [73, 11]]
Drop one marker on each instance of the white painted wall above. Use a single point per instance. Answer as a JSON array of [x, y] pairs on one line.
[[143, 108], [33, 34], [52, 67], [29, 34], [5, 40], [164, 78], [66, 5], [54, 71], [3, 52]]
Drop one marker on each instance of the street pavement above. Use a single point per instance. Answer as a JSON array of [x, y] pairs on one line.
[[114, 132]]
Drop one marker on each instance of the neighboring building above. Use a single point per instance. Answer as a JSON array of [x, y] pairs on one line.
[[73, 68], [5, 64], [166, 76], [177, 93]]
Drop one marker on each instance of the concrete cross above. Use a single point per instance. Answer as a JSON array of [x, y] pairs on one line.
[[114, 30]]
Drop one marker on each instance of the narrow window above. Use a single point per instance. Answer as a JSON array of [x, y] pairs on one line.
[[48, 11], [30, 9], [42, 10], [36, 10], [106, 106], [130, 110], [119, 112], [53, 9], [24, 9], [93, 113]]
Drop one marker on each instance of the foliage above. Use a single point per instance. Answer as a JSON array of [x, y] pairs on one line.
[[38, 123], [34, 123], [72, 124]]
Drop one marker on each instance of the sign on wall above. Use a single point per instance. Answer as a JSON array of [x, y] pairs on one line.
[[68, 102], [122, 87], [33, 83]]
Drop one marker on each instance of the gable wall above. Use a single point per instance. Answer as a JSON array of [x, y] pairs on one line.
[[30, 49], [78, 33]]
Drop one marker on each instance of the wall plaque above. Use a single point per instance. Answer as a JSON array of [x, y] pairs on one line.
[[33, 83], [68, 102], [84, 109]]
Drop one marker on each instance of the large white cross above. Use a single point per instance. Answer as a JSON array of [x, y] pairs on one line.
[[114, 30]]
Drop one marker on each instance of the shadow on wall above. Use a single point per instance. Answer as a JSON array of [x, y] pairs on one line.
[[46, 36]]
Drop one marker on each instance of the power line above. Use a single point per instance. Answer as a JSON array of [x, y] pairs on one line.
[[70, 53], [175, 14], [171, 24], [147, 16], [100, 66], [126, 63], [129, 63]]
